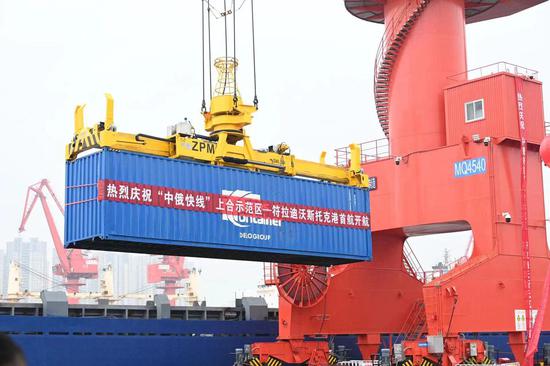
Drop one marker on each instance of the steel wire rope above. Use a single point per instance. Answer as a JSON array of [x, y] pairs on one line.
[[54, 286], [235, 99], [451, 317], [222, 14], [203, 105], [225, 41], [209, 51], [143, 289], [450, 322], [254, 52], [38, 274]]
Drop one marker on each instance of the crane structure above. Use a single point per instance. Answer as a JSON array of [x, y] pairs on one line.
[[74, 265], [460, 143], [170, 272]]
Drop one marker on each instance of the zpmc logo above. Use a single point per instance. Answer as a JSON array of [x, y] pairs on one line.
[[244, 220]]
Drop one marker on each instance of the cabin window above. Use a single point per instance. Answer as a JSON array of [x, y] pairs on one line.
[[475, 110]]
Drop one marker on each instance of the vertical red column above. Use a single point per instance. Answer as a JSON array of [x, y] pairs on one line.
[[525, 252], [433, 50]]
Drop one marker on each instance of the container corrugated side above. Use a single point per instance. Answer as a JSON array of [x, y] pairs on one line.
[[159, 219]]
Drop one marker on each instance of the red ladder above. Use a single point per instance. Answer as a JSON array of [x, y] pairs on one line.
[[415, 325]]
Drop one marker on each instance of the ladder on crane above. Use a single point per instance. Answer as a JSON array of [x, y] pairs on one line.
[[393, 39], [412, 264], [415, 325]]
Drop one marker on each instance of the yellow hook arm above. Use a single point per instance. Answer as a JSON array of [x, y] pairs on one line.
[[355, 161], [322, 160], [79, 118], [109, 118]]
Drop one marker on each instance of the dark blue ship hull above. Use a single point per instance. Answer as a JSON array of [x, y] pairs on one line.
[[104, 341]]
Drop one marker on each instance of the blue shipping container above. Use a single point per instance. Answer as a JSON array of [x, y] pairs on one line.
[[122, 201]]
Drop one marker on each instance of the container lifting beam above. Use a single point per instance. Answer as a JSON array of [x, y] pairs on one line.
[[227, 145]]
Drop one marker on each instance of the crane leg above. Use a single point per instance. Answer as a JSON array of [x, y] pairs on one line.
[[369, 345], [517, 343], [312, 353]]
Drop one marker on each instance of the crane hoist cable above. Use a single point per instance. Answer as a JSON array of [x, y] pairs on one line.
[[225, 44], [235, 99], [218, 14], [209, 52], [254, 53], [207, 33], [203, 105], [203, 43]]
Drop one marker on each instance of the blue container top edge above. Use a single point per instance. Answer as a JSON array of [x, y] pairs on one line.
[[108, 150]]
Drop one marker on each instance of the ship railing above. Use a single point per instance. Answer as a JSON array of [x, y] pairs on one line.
[[370, 151], [359, 363], [494, 69], [436, 273]]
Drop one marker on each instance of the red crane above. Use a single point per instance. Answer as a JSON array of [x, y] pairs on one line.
[[434, 132], [169, 271], [74, 265]]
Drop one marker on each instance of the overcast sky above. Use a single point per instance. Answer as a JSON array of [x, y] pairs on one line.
[[314, 61]]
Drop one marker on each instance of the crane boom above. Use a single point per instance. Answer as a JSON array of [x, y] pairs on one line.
[[36, 191], [73, 265]]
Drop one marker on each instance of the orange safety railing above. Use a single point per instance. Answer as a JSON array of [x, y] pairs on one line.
[[412, 264], [370, 151], [494, 69]]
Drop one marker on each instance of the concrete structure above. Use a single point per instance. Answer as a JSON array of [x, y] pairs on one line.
[[54, 303], [255, 308], [31, 254], [2, 253], [162, 303]]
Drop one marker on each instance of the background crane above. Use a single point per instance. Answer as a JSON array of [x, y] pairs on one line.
[[170, 271], [74, 265]]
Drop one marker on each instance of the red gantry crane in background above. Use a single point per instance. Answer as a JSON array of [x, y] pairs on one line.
[[74, 266], [169, 271]]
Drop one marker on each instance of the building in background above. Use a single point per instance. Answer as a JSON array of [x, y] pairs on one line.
[[2, 273], [119, 262], [129, 272], [137, 274], [129, 275], [31, 254]]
